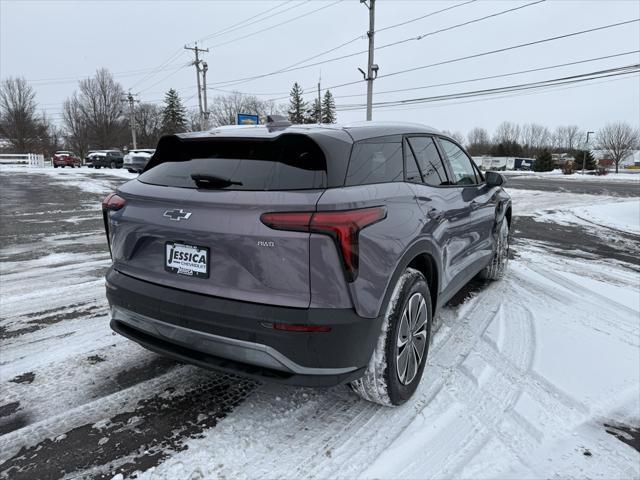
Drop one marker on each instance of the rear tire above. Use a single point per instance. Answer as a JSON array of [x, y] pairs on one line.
[[112, 165], [495, 270], [397, 363]]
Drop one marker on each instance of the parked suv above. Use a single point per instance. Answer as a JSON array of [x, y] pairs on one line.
[[308, 255], [65, 158], [108, 158]]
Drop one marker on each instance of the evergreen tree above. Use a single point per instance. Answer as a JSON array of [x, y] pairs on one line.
[[589, 161], [297, 106], [313, 113], [328, 108], [544, 162], [174, 115], [507, 149]]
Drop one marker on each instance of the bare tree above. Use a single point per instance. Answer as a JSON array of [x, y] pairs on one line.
[[77, 131], [457, 136], [507, 132], [478, 141], [100, 101], [535, 137], [567, 137], [225, 108], [19, 122], [618, 140], [148, 119], [194, 120]]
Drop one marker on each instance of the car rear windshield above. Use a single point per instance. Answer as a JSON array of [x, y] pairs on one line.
[[291, 162]]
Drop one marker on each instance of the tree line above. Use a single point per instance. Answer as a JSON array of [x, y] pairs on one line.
[[530, 140], [96, 117]]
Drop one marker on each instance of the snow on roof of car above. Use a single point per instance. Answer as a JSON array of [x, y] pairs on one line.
[[356, 131]]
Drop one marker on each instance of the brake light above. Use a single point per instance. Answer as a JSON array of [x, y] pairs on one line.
[[342, 225], [113, 202]]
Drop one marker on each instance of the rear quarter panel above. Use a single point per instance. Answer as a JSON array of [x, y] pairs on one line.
[[381, 246]]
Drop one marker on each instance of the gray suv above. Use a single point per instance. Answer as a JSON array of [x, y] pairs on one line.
[[308, 255]]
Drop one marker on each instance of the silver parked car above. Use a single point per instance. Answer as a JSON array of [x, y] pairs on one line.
[[309, 255], [136, 160]]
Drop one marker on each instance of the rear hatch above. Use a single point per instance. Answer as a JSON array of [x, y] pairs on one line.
[[205, 235]]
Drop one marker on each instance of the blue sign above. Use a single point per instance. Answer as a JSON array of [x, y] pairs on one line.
[[246, 119]]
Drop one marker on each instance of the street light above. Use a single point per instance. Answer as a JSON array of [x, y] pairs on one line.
[[584, 156]]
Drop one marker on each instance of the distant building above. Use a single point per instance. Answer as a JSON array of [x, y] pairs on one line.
[[604, 159], [559, 159], [504, 163]]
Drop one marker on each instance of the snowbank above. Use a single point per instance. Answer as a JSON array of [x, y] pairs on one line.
[[558, 175], [623, 216]]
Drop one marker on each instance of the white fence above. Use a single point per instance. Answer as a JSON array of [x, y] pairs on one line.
[[31, 159]]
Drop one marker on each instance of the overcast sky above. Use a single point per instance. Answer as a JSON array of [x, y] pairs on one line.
[[54, 43]]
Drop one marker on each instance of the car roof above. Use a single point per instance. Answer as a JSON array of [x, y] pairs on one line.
[[352, 131]]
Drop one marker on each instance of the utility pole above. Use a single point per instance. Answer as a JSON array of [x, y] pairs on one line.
[[205, 67], [584, 156], [197, 50], [130, 98], [372, 68], [319, 102]]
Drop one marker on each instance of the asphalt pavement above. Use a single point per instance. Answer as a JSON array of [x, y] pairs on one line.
[[156, 404], [592, 187]]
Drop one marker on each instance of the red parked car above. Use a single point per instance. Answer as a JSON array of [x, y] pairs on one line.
[[66, 159]]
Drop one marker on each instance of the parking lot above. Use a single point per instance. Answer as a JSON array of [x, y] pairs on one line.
[[535, 375]]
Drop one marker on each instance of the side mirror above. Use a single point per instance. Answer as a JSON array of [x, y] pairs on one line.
[[494, 179]]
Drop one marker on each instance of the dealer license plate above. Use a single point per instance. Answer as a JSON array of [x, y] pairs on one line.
[[189, 260]]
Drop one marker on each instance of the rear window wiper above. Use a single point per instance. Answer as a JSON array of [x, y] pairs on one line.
[[205, 180]]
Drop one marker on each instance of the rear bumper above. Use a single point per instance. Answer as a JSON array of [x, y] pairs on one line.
[[236, 336]]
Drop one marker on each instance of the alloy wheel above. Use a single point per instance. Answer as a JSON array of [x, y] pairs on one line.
[[412, 338]]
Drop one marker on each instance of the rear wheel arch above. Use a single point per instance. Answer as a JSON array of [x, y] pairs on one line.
[[421, 257], [426, 265]]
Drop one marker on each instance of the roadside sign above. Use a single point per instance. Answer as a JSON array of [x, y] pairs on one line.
[[246, 119]]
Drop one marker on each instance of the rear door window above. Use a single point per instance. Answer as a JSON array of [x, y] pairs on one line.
[[429, 161], [292, 162], [411, 165], [461, 167], [377, 160]]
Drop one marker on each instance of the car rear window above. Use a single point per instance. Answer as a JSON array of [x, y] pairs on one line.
[[291, 162], [377, 160]]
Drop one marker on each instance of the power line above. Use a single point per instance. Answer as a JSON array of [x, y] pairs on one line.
[[276, 25], [184, 65], [489, 52], [490, 77], [243, 24], [349, 42], [521, 45], [342, 57], [62, 80], [158, 69], [424, 16], [551, 88], [624, 70]]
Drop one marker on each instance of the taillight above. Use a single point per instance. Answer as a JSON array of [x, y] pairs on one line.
[[113, 202], [342, 225]]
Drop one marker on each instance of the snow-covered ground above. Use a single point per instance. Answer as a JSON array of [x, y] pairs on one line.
[[520, 379], [628, 176], [522, 375]]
